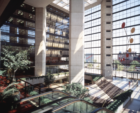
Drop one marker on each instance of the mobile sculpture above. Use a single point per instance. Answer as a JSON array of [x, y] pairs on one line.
[[129, 40]]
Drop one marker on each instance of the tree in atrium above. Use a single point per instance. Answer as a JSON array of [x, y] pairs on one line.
[[118, 65], [77, 90], [133, 65], [15, 60]]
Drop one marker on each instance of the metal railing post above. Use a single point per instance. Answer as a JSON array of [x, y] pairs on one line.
[[0, 48], [25, 89], [39, 97]]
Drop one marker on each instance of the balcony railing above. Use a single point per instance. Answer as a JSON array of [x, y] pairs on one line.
[[7, 42], [58, 63]]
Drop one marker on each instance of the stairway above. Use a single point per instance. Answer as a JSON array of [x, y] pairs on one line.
[[110, 89]]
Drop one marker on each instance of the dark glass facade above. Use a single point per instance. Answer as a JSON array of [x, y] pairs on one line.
[[57, 41], [19, 32]]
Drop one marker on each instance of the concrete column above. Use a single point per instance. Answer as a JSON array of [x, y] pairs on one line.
[[76, 45], [106, 38], [40, 42]]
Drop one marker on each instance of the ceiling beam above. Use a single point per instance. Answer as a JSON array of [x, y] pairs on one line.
[[38, 3]]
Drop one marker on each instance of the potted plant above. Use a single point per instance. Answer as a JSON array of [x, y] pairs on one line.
[[9, 96], [48, 80]]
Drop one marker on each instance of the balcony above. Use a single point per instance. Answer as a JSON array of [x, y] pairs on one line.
[[58, 63], [4, 42]]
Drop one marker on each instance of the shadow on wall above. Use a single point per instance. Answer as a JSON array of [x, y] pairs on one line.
[[40, 53], [76, 59]]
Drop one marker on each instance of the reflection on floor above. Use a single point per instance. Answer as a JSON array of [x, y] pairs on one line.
[[123, 83], [133, 107]]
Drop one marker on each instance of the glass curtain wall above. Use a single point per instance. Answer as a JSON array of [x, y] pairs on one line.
[[126, 49], [20, 27], [92, 40], [19, 32], [57, 38]]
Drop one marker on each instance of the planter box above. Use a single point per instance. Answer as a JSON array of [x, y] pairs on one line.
[[120, 108]]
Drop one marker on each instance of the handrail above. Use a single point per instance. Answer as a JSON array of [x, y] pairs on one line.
[[25, 81], [5, 41], [50, 103], [55, 101], [44, 75], [96, 110], [42, 94], [79, 100], [100, 109]]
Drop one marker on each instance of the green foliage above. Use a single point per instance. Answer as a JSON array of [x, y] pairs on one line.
[[98, 67], [89, 65], [33, 93], [88, 100], [23, 79], [2, 72], [135, 63], [119, 99], [8, 72], [45, 100], [96, 77], [76, 90], [7, 94], [14, 60], [117, 62], [49, 79], [124, 95], [120, 68], [95, 61], [131, 68]]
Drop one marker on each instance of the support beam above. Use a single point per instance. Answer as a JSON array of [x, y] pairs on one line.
[[106, 38], [40, 39], [76, 45]]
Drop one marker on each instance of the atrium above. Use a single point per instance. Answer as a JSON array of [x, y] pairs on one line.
[[69, 56]]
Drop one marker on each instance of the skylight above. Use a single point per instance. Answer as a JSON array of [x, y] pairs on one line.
[[65, 3]]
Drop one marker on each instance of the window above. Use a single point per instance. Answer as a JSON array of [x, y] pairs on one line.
[[5, 38], [31, 33], [93, 40], [125, 62], [5, 28], [31, 41]]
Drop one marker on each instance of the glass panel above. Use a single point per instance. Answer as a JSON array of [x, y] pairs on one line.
[[93, 40], [126, 63], [77, 107]]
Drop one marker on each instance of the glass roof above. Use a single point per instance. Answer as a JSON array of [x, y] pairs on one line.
[[65, 3]]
